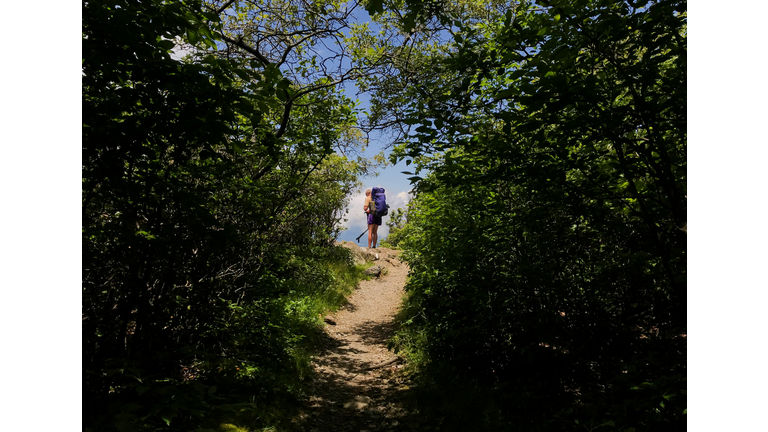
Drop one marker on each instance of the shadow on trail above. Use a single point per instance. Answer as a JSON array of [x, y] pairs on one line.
[[347, 306], [342, 397], [374, 333]]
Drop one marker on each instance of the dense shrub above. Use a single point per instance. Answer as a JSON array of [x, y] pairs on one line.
[[208, 221], [547, 242]]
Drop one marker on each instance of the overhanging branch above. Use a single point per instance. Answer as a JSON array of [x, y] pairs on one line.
[[247, 48]]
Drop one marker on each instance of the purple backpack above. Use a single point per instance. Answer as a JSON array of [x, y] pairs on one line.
[[378, 197]]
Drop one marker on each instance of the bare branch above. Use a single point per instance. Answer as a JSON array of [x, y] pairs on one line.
[[224, 7], [249, 49]]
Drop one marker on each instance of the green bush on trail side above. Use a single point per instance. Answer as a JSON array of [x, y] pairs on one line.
[[207, 224], [398, 220], [547, 240], [255, 387]]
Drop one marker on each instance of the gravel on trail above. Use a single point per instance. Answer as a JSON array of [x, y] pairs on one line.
[[358, 385]]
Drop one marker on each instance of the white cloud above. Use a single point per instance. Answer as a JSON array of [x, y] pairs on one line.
[[355, 216], [181, 49], [178, 52], [400, 200]]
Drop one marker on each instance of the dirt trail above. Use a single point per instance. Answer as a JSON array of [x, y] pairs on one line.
[[348, 395]]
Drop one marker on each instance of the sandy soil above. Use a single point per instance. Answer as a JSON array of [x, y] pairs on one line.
[[351, 391]]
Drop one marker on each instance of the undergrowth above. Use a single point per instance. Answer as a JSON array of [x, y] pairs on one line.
[[534, 390], [234, 394]]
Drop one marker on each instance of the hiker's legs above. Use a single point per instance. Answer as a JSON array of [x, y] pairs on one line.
[[374, 234], [371, 228], [369, 219]]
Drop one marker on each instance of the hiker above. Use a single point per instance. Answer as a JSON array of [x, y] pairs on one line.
[[373, 220]]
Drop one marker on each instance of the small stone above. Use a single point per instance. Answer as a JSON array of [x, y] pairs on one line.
[[358, 403], [374, 271]]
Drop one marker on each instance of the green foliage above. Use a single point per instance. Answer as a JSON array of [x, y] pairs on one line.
[[397, 221], [208, 221], [548, 263], [548, 146]]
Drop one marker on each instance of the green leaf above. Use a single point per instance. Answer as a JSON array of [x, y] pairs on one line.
[[193, 37], [210, 42], [205, 32], [505, 94], [374, 7], [408, 22], [271, 72], [166, 44], [283, 84]]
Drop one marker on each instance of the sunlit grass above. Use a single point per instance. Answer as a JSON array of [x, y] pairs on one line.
[[323, 289]]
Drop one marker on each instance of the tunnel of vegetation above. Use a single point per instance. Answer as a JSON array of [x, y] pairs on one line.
[[546, 238]]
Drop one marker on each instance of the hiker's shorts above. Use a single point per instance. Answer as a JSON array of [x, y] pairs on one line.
[[373, 219]]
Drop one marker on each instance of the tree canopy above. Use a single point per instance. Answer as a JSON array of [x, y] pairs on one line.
[[547, 236]]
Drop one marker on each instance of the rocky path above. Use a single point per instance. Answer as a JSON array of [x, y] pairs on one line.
[[358, 386]]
